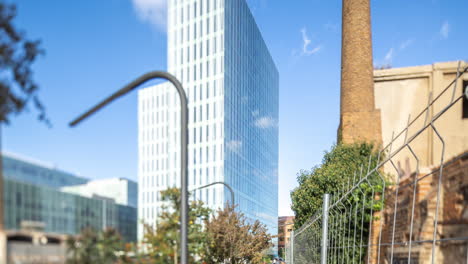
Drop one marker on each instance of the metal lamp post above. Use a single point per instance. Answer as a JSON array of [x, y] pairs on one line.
[[214, 183], [183, 143]]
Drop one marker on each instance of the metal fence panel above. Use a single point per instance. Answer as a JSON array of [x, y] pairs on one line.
[[418, 217]]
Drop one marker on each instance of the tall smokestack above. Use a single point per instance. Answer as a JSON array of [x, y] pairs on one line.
[[359, 120]]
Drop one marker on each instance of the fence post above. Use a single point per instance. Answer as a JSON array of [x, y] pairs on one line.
[[326, 204], [291, 258]]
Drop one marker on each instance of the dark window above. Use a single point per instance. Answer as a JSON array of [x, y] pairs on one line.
[[21, 238], [18, 199], [465, 99]]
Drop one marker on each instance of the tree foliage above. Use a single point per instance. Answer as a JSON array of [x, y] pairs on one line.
[[92, 246], [339, 171], [339, 167], [163, 241], [232, 239], [17, 54], [225, 237]]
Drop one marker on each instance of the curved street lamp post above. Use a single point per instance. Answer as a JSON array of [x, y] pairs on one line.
[[183, 143], [214, 183]]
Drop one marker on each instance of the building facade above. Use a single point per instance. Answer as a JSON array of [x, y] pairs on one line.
[[122, 191], [216, 49], [32, 198], [430, 186], [285, 228], [35, 172], [402, 93]]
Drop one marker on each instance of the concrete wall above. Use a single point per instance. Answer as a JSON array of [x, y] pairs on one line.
[[31, 247], [401, 93]]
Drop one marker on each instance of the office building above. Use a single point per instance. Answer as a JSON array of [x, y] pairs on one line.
[[217, 51], [122, 191], [35, 199], [36, 172]]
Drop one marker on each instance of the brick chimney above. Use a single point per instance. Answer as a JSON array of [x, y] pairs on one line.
[[359, 120]]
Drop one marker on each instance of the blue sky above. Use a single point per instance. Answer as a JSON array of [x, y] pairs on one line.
[[94, 47]]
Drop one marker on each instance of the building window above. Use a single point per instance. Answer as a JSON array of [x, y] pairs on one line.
[[201, 28], [215, 24], [18, 199], [465, 99], [201, 50], [201, 7], [188, 12], [194, 135], [182, 16]]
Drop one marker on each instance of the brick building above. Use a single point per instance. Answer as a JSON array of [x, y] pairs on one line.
[[375, 104], [452, 229], [285, 227]]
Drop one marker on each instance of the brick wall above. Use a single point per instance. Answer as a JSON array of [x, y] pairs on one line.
[[452, 227]]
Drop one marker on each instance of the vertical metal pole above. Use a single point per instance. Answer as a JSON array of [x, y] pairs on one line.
[[184, 209], [326, 204], [3, 239], [104, 214], [183, 144], [292, 247], [1, 182]]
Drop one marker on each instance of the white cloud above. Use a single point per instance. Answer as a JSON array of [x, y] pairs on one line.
[[306, 50], [234, 145], [386, 62], [152, 11], [391, 53], [406, 44], [266, 216], [389, 56], [444, 30], [265, 122]]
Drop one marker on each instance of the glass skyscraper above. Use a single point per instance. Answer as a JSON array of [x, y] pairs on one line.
[[216, 50]]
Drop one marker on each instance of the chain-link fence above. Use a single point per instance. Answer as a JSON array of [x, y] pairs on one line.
[[391, 213]]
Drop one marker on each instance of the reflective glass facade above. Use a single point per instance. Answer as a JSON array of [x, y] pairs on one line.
[[216, 50], [122, 191], [34, 172], [28, 197], [251, 116]]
